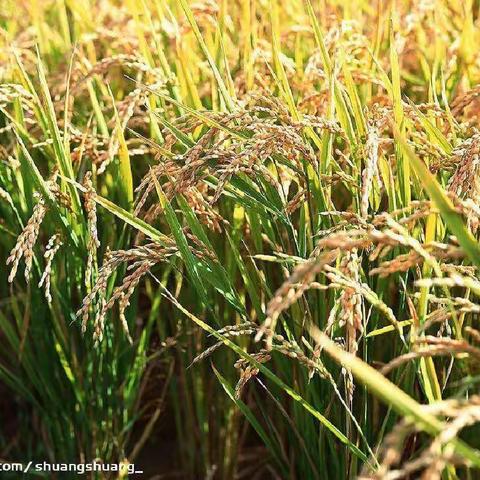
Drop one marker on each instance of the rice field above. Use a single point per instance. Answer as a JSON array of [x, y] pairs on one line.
[[240, 239]]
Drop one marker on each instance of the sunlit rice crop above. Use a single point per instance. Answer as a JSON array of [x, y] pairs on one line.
[[240, 239]]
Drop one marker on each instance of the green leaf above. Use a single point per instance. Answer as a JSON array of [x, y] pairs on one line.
[[191, 263], [42, 187], [213, 271], [62, 155], [203, 46], [125, 168], [248, 415]]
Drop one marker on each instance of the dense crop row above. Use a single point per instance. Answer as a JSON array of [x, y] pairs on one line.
[[240, 239]]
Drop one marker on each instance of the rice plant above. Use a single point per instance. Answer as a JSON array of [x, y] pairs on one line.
[[240, 239]]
